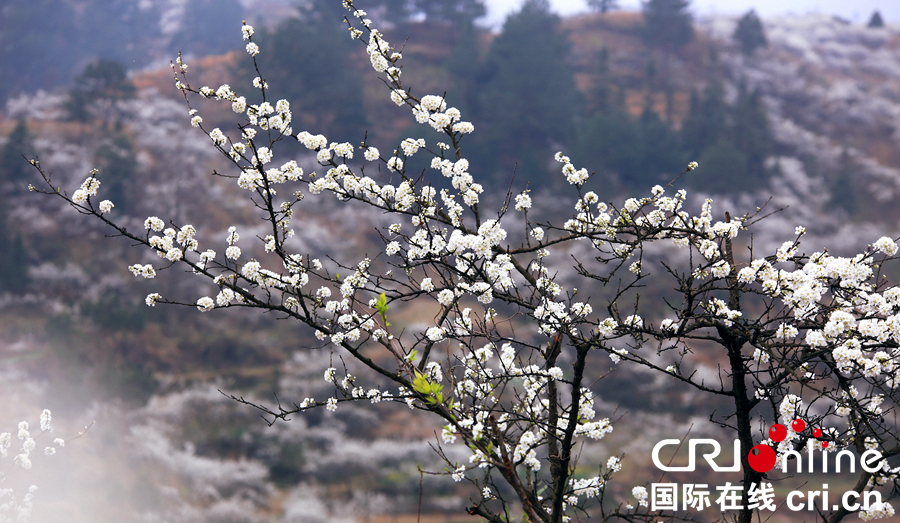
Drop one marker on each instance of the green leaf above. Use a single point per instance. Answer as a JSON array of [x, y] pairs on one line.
[[382, 307]]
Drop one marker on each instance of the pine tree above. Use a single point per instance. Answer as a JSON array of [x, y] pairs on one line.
[[752, 134], [706, 120], [528, 86], [603, 6], [876, 20], [115, 159], [667, 23], [294, 57], [13, 259], [460, 13], [749, 33], [661, 151], [14, 170], [846, 192], [97, 90]]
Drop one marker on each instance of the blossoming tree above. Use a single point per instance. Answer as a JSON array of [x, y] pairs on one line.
[[797, 336], [11, 508]]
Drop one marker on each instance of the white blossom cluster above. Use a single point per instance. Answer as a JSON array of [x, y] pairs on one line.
[[13, 509]]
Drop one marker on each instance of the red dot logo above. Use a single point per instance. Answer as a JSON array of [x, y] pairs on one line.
[[798, 425], [778, 432], [824, 444], [762, 457], [817, 433]]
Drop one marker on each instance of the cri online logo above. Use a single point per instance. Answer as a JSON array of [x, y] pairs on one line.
[[762, 457]]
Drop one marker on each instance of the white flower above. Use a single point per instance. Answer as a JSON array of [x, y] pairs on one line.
[[371, 154], [426, 285], [205, 304], [445, 297], [435, 333], [379, 62], [398, 96], [886, 245], [106, 206], [331, 404], [252, 49], [233, 252], [614, 464], [640, 493], [152, 299], [247, 31], [264, 155], [523, 201], [217, 136]]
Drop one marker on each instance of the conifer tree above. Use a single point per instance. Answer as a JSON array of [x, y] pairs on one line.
[[749, 33], [14, 170], [13, 259], [294, 57], [667, 23], [706, 120], [97, 90], [525, 63], [603, 6], [751, 133], [115, 159], [876, 20], [461, 13]]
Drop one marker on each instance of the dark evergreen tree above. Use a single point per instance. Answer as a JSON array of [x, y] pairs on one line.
[[463, 70], [749, 33], [461, 13], [603, 6], [846, 193], [706, 120], [97, 90], [209, 27], [639, 152], [13, 258], [611, 143], [752, 134], [876, 20], [602, 91], [662, 156], [308, 62], [723, 170], [15, 171], [115, 161], [667, 23], [712, 131], [528, 99]]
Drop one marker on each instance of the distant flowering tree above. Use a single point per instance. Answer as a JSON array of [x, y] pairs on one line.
[[794, 335], [12, 508]]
